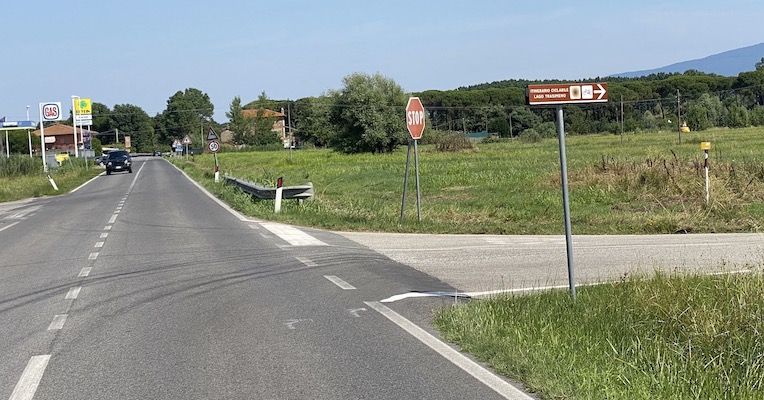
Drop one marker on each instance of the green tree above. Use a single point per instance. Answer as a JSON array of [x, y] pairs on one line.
[[368, 113], [262, 124], [186, 113], [134, 122], [237, 123], [697, 118], [100, 118], [312, 120]]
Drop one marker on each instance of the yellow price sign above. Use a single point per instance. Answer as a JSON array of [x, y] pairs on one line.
[[705, 145], [83, 107]]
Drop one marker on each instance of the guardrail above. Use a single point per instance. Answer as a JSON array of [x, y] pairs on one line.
[[301, 192]]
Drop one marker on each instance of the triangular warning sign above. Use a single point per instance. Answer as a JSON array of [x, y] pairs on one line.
[[211, 135]]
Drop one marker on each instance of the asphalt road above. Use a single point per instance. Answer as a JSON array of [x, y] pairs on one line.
[[140, 286]]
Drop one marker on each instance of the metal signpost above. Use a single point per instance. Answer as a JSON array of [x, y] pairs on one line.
[[214, 146], [415, 126], [706, 146], [557, 95], [48, 112]]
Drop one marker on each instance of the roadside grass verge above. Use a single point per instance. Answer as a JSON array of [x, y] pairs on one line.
[[663, 337], [19, 180], [648, 184]]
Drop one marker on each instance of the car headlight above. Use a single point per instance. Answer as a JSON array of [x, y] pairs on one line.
[[108, 163]]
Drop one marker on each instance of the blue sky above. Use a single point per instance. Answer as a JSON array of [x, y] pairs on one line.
[[141, 52]]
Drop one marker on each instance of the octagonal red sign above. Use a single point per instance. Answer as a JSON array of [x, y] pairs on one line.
[[415, 117]]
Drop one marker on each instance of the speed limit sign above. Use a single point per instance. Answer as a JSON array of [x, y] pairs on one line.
[[213, 146]]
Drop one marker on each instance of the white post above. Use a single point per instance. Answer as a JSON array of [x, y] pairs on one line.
[[279, 194], [74, 125], [7, 148], [29, 136], [42, 139], [706, 170]]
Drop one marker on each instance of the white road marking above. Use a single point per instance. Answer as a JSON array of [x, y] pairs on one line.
[[84, 272], [104, 235], [8, 226], [253, 226], [113, 219], [307, 262], [93, 256], [116, 212], [354, 312], [339, 282], [83, 185], [107, 228], [73, 293], [58, 322], [488, 378], [292, 235], [99, 244], [119, 208], [30, 378], [265, 236], [409, 295]]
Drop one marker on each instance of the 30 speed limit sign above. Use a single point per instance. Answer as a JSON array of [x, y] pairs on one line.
[[213, 146]]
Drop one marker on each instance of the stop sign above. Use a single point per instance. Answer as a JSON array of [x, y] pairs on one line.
[[415, 117]]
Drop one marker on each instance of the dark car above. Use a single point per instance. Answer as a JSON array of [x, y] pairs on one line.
[[118, 160]]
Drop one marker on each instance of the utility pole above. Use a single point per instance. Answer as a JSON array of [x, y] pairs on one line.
[[678, 117]]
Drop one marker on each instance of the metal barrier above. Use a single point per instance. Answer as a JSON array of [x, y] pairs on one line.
[[301, 192]]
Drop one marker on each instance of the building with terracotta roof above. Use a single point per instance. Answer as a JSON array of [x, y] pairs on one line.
[[279, 125], [61, 137]]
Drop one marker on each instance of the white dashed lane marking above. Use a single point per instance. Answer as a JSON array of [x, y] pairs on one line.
[[58, 322], [84, 272], [339, 282], [30, 378], [73, 293]]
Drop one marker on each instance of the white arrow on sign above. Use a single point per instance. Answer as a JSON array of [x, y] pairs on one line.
[[601, 91]]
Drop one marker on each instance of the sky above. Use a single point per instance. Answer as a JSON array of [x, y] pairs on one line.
[[142, 52]]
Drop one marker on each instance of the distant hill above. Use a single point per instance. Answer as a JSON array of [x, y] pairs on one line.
[[728, 63]]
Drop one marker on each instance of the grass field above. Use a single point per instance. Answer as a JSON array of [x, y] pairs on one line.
[[647, 184], [31, 181], [666, 337]]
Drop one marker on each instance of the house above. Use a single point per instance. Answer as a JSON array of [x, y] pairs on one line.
[[279, 125], [60, 137]]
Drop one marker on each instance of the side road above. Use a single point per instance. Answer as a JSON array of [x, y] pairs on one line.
[[483, 264]]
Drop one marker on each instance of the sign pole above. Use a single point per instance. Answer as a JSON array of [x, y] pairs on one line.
[[705, 146], [565, 202], [406, 179], [42, 139], [418, 192], [217, 169]]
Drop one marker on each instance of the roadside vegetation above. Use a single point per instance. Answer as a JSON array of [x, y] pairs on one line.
[[664, 337], [22, 177], [641, 184]]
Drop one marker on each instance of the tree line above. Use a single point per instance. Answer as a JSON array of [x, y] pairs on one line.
[[366, 114]]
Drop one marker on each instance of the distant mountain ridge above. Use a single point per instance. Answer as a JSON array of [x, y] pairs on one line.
[[728, 63]]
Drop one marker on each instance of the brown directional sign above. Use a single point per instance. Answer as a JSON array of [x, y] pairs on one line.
[[567, 93]]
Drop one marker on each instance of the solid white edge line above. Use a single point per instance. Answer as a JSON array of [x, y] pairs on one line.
[[83, 185], [58, 322], [339, 282], [225, 206], [30, 378], [8, 226], [73, 293], [485, 376]]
